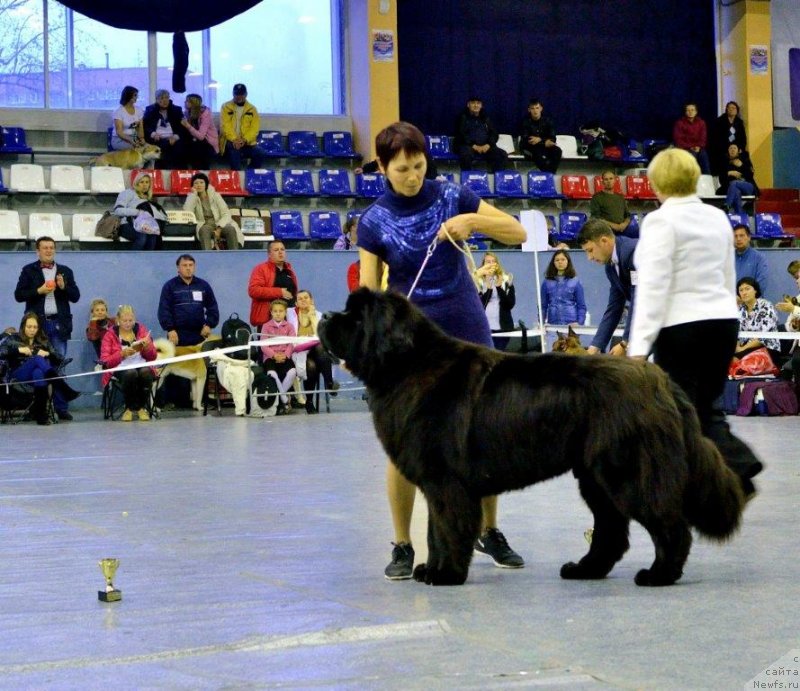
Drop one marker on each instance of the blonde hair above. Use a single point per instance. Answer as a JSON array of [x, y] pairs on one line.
[[95, 302], [195, 106], [136, 180], [122, 309], [499, 271], [674, 173]]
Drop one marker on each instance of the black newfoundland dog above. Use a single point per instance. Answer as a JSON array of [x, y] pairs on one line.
[[463, 422]]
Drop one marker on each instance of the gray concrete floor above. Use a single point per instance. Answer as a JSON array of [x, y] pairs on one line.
[[252, 554]]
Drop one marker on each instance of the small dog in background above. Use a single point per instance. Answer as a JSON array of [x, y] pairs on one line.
[[128, 158], [569, 344]]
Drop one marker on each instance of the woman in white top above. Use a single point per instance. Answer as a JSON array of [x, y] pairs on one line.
[[686, 313], [128, 130]]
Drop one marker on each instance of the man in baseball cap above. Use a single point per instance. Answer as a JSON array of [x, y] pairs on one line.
[[239, 126]]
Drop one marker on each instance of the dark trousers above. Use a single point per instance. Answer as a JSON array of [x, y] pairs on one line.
[[199, 154], [237, 156], [135, 385], [318, 364], [173, 156], [545, 158], [33, 370], [696, 355], [59, 342], [495, 156]]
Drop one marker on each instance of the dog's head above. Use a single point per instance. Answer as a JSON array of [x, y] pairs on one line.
[[376, 334], [150, 152], [569, 343]]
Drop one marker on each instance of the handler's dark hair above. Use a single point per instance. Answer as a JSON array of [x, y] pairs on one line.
[[399, 136], [750, 281], [593, 230], [552, 272]]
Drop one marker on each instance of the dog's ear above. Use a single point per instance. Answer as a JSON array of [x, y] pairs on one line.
[[571, 333]]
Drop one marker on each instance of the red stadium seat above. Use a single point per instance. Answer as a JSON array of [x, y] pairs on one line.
[[575, 187], [639, 187], [598, 184], [157, 175], [180, 181], [227, 182]]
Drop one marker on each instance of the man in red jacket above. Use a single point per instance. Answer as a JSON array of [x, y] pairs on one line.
[[690, 133], [269, 281]]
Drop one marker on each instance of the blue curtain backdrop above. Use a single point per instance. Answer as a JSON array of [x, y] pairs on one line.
[[628, 64]]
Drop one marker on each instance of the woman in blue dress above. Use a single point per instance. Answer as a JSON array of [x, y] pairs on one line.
[[397, 231]]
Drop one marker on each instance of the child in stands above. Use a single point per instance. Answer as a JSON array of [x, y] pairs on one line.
[[99, 323], [278, 361]]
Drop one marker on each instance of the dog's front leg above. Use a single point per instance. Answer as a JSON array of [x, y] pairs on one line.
[[453, 523]]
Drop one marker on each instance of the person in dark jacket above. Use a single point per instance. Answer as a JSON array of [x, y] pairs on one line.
[[738, 179], [498, 297], [727, 129], [162, 127], [47, 288], [537, 139], [476, 138], [187, 309]]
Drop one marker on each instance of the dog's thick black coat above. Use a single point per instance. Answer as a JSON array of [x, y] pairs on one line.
[[463, 422]]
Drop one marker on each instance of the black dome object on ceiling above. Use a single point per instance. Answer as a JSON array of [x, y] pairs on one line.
[[158, 15]]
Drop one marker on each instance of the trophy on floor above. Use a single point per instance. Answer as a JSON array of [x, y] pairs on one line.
[[109, 568]]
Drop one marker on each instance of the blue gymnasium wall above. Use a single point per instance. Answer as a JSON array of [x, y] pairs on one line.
[[629, 64], [137, 277]]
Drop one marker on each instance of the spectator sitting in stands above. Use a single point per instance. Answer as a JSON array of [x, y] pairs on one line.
[[690, 133], [749, 261], [273, 279], [792, 308], [216, 229], [727, 129], [562, 292], [737, 180], [129, 343], [202, 141], [99, 323], [349, 237], [476, 138], [756, 314], [128, 129], [311, 363], [538, 138], [278, 361], [239, 124], [162, 127], [611, 207], [142, 220]]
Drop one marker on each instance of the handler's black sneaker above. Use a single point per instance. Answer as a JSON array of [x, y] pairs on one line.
[[402, 563], [494, 544]]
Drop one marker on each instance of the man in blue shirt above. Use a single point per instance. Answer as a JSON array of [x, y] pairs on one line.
[[187, 310], [749, 262]]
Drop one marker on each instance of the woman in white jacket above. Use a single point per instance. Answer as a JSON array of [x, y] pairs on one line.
[[214, 222]]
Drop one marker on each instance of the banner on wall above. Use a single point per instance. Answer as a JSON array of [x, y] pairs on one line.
[[382, 45], [785, 16]]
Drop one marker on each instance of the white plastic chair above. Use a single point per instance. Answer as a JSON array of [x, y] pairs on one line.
[[67, 179], [568, 145], [107, 180], [27, 177], [83, 226], [706, 187], [506, 143], [10, 227], [49, 224]]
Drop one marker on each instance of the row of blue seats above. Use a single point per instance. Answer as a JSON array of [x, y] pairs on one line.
[[322, 225]]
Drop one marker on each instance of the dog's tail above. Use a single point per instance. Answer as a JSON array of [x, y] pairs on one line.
[[714, 499], [165, 348]]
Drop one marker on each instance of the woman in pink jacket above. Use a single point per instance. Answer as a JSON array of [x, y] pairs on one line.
[[129, 343], [204, 141]]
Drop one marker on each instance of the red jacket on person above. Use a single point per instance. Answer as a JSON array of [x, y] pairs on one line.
[[687, 134], [262, 290], [111, 349]]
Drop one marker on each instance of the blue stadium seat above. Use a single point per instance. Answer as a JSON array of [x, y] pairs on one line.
[[570, 224], [15, 142], [439, 148], [508, 184], [737, 219], [370, 185], [271, 143], [542, 185], [339, 145], [261, 181], [478, 182], [324, 225], [334, 183], [304, 144], [450, 177], [288, 225], [769, 227], [297, 183]]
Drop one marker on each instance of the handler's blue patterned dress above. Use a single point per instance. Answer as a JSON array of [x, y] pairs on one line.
[[399, 229]]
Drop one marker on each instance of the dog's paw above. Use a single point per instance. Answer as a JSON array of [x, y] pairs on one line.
[[651, 578], [420, 572], [581, 571], [424, 573]]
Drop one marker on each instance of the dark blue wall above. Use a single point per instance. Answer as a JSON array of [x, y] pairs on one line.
[[629, 63]]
